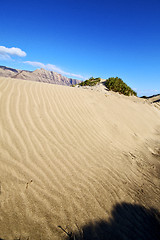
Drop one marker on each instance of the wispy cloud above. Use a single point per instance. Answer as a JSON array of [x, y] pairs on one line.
[[147, 92], [6, 53], [9, 53], [35, 64], [5, 57], [54, 68]]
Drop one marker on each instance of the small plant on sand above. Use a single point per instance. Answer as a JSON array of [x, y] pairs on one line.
[[117, 85], [90, 82]]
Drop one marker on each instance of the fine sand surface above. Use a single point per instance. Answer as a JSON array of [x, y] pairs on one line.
[[84, 160]]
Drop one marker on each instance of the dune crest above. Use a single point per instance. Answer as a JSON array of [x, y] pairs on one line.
[[68, 155]]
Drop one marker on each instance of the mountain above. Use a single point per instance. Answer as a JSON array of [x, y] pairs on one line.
[[154, 98], [8, 72], [39, 75]]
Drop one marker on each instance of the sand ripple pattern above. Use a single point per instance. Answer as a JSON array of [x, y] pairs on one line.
[[67, 156]]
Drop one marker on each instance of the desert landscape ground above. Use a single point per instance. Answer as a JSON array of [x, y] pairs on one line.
[[77, 163]]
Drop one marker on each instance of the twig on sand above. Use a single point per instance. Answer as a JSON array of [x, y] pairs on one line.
[[69, 234]]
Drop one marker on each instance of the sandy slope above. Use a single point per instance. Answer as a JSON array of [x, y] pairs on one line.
[[68, 155]]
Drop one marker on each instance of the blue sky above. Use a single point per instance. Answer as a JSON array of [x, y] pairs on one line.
[[84, 38]]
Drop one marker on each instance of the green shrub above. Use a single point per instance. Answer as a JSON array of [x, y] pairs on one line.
[[117, 85], [90, 82]]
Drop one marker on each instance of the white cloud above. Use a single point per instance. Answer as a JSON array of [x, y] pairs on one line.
[[147, 92], [54, 68], [35, 64], [4, 57], [5, 52]]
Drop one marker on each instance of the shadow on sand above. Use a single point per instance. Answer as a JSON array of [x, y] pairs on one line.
[[128, 222]]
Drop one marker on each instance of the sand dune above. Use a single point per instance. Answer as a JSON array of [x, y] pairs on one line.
[[69, 155]]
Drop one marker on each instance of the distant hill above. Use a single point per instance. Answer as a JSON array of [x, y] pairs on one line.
[[39, 75], [153, 98]]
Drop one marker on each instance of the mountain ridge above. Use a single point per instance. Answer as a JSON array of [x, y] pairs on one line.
[[153, 99], [39, 75]]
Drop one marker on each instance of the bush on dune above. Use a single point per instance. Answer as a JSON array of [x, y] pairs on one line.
[[90, 82], [117, 85]]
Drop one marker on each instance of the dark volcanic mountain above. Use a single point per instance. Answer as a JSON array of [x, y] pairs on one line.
[[39, 75]]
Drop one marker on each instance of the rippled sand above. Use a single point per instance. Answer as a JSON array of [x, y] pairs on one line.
[[68, 155]]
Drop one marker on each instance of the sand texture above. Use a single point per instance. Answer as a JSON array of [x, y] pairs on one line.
[[84, 160]]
